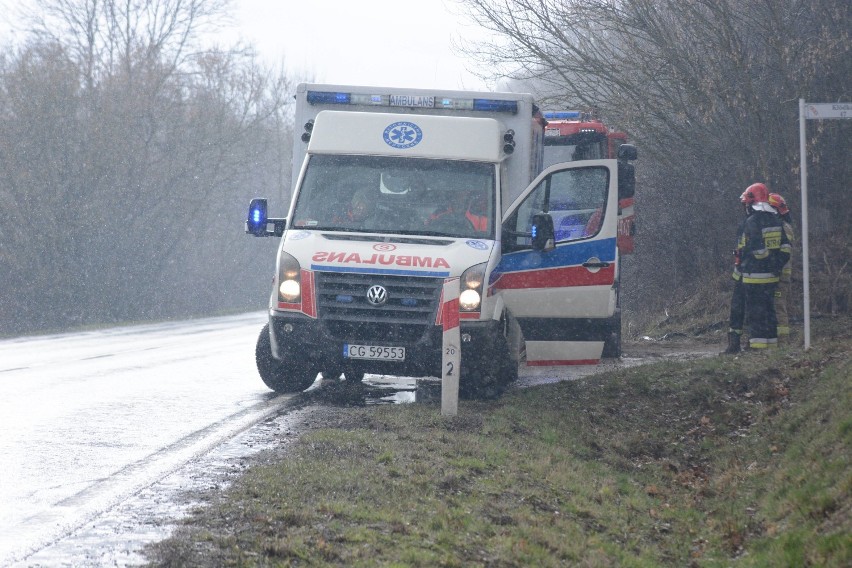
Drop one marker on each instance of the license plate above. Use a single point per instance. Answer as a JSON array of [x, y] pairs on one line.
[[374, 352]]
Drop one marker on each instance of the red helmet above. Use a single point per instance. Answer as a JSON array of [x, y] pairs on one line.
[[755, 193], [778, 203]]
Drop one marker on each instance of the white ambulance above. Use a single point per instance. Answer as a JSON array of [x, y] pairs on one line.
[[396, 191]]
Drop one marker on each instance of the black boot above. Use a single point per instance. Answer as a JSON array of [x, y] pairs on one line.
[[733, 343]]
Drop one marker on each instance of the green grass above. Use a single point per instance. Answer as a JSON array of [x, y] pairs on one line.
[[715, 462]]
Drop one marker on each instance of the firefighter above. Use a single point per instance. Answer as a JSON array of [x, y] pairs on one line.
[[764, 250], [738, 306], [782, 294]]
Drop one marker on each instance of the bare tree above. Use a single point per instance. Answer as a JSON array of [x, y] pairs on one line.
[[127, 157], [707, 88]]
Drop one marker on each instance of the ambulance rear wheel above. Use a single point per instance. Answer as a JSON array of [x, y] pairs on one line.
[[280, 376], [612, 340]]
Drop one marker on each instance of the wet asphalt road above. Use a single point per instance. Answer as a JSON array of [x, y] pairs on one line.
[[103, 432]]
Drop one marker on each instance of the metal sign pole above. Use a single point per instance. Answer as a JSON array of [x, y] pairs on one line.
[[814, 111], [803, 168]]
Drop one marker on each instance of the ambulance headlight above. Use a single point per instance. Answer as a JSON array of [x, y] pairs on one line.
[[469, 300], [470, 297], [290, 290], [289, 281]]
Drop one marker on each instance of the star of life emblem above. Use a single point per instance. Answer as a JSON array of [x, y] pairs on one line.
[[402, 135]]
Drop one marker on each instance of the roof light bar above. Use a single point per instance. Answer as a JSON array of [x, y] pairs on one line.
[[562, 114], [412, 101], [495, 105], [328, 98]]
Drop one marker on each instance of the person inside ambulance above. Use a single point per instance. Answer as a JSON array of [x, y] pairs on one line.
[[477, 211], [359, 212], [452, 218]]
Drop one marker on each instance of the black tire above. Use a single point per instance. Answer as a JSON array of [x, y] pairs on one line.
[[280, 376], [332, 374], [612, 343], [354, 376], [487, 374]]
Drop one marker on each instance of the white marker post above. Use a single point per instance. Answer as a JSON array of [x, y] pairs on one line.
[[450, 348]]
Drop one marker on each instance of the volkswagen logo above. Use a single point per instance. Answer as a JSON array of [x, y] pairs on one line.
[[377, 295]]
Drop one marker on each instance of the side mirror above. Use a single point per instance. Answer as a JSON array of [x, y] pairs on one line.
[[258, 220], [626, 180], [543, 238], [627, 152]]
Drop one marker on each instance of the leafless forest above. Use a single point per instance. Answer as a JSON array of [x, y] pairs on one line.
[[708, 90], [128, 153], [129, 147]]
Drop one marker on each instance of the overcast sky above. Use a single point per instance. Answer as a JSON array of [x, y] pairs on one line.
[[400, 43], [396, 43]]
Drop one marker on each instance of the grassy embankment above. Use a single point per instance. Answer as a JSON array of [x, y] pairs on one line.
[[714, 462]]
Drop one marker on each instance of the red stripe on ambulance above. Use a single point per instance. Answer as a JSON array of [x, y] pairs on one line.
[[555, 278]]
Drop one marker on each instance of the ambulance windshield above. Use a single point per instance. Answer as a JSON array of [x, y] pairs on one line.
[[379, 194]]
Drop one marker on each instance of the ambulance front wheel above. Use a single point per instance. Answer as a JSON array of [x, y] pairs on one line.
[[486, 373], [280, 376]]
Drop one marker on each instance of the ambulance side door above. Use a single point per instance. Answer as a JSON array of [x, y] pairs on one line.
[[561, 296]]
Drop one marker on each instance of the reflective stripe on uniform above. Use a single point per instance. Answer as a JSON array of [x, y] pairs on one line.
[[761, 343], [759, 278], [772, 237]]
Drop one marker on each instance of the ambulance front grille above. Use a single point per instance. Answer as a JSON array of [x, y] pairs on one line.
[[407, 315]]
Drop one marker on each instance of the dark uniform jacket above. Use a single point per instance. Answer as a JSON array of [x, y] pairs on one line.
[[764, 248]]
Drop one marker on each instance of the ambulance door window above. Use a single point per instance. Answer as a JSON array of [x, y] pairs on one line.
[[577, 202], [521, 221]]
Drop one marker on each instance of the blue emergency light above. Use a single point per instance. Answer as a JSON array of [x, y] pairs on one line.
[[328, 98], [257, 217], [562, 114], [492, 105]]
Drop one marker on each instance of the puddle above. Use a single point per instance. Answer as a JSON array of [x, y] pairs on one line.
[[404, 390]]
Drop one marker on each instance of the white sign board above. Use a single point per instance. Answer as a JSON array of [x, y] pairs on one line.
[[828, 110]]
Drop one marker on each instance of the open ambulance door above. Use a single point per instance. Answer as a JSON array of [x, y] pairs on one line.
[[563, 292]]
